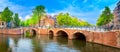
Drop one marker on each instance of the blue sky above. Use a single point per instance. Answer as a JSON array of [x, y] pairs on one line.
[[88, 10]]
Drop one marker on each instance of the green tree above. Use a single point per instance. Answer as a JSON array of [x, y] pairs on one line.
[[84, 23], [34, 19], [6, 15], [22, 23], [63, 19], [105, 17], [60, 20], [38, 12], [67, 20], [16, 20], [0, 17]]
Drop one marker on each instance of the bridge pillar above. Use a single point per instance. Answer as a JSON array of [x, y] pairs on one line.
[[55, 35], [70, 43], [21, 31], [38, 32], [70, 37]]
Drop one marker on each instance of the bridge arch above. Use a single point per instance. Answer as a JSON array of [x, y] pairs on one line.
[[50, 33], [62, 33], [79, 36], [31, 32], [34, 32]]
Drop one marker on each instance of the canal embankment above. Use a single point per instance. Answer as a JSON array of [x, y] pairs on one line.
[[11, 31]]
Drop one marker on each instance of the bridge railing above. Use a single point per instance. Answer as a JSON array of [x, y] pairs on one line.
[[42, 27], [88, 28]]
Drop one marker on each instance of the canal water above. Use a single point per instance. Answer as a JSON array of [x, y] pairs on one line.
[[44, 43]]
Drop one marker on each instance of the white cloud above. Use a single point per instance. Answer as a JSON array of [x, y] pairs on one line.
[[27, 17], [3, 4], [77, 12], [91, 15], [20, 17]]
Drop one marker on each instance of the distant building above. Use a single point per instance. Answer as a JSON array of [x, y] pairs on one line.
[[55, 20], [116, 13], [47, 21], [2, 24], [11, 24]]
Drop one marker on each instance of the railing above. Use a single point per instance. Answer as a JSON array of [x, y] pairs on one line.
[[88, 28], [93, 28]]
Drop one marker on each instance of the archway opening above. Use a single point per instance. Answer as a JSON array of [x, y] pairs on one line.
[[51, 34], [33, 33], [62, 34], [79, 36]]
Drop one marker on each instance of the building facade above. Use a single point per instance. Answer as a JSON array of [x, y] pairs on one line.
[[47, 21], [116, 13], [2, 24]]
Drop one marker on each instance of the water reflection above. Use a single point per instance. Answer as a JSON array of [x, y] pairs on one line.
[[3, 44], [79, 44], [61, 40], [23, 45], [43, 43], [50, 36]]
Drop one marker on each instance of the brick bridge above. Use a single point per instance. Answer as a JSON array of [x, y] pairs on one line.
[[110, 38]]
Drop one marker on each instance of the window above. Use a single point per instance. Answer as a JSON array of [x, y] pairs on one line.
[[118, 6], [2, 23]]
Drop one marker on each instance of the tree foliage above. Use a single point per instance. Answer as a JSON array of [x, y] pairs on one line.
[[0, 17], [67, 20], [105, 17], [38, 12], [10, 19], [6, 15], [16, 20]]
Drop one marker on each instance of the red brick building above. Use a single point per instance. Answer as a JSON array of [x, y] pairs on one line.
[[47, 21], [116, 13]]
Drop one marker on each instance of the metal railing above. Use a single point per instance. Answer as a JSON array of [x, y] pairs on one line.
[[88, 28]]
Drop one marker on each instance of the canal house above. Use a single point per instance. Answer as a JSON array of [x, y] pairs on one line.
[[47, 21], [116, 13]]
